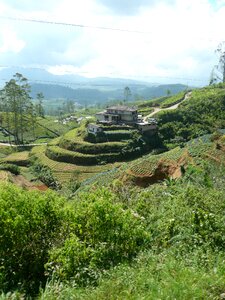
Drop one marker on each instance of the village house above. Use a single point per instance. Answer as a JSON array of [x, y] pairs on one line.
[[121, 115], [145, 127], [94, 128], [118, 115]]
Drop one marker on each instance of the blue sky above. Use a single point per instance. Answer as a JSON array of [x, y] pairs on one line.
[[175, 43]]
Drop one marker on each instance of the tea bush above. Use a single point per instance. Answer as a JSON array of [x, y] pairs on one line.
[[103, 235], [30, 224]]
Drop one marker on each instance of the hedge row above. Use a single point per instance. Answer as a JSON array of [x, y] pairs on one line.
[[91, 148], [173, 100], [63, 155]]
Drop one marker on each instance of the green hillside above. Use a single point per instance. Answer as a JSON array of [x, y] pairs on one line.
[[203, 112], [150, 227], [122, 241]]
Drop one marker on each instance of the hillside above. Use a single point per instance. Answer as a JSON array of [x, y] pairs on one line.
[[150, 227], [98, 93], [169, 237], [88, 90]]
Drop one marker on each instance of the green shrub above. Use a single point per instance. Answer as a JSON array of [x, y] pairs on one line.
[[45, 174], [10, 167], [173, 100], [63, 155], [104, 234], [30, 224], [109, 136], [91, 148]]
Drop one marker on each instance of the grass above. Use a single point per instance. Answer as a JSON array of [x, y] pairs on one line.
[[197, 153], [151, 277], [5, 176], [147, 165], [173, 100], [45, 129], [18, 158], [63, 155], [65, 171], [91, 148]]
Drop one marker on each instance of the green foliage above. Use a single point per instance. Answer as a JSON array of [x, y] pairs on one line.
[[104, 234], [91, 148], [14, 169], [152, 276], [18, 158], [15, 102], [30, 224], [202, 113], [60, 154], [45, 174], [173, 100]]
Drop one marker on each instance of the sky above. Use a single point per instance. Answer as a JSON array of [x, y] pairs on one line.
[[164, 41]]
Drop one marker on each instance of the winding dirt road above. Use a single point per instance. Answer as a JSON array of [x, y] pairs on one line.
[[175, 106]]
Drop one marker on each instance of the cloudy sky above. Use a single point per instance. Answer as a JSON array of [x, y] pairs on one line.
[[164, 41]]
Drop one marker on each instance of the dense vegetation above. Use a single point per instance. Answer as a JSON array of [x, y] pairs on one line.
[[203, 113], [105, 237], [175, 230]]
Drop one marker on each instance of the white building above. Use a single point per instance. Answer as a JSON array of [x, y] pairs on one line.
[[94, 129], [118, 115]]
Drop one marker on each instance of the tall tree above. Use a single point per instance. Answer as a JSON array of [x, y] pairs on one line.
[[127, 93], [39, 106], [16, 100]]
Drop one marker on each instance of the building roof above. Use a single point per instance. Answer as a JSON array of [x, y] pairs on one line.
[[93, 125], [101, 113], [122, 107]]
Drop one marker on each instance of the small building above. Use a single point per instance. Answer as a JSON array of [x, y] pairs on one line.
[[94, 129], [118, 115], [149, 126], [145, 127]]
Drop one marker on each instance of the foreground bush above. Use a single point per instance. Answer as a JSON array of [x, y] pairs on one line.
[[30, 224], [41, 236], [103, 235], [153, 276]]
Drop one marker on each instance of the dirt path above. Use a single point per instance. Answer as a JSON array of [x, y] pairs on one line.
[[22, 145], [175, 106]]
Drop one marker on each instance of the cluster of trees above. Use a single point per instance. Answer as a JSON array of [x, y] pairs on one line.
[[19, 112]]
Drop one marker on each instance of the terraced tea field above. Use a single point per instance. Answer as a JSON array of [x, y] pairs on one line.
[[65, 171], [148, 165], [18, 158]]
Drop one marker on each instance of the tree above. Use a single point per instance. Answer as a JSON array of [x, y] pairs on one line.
[[168, 93], [127, 93], [32, 117], [15, 100], [39, 106]]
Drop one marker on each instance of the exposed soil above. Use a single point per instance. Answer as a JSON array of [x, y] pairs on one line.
[[164, 170], [220, 146]]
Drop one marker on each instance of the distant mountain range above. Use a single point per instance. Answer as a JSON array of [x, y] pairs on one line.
[[87, 90]]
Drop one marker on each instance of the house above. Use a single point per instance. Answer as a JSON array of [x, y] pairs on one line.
[[94, 129], [146, 127], [149, 126], [118, 115]]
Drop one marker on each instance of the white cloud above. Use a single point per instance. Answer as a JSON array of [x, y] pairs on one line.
[[9, 42], [179, 42]]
